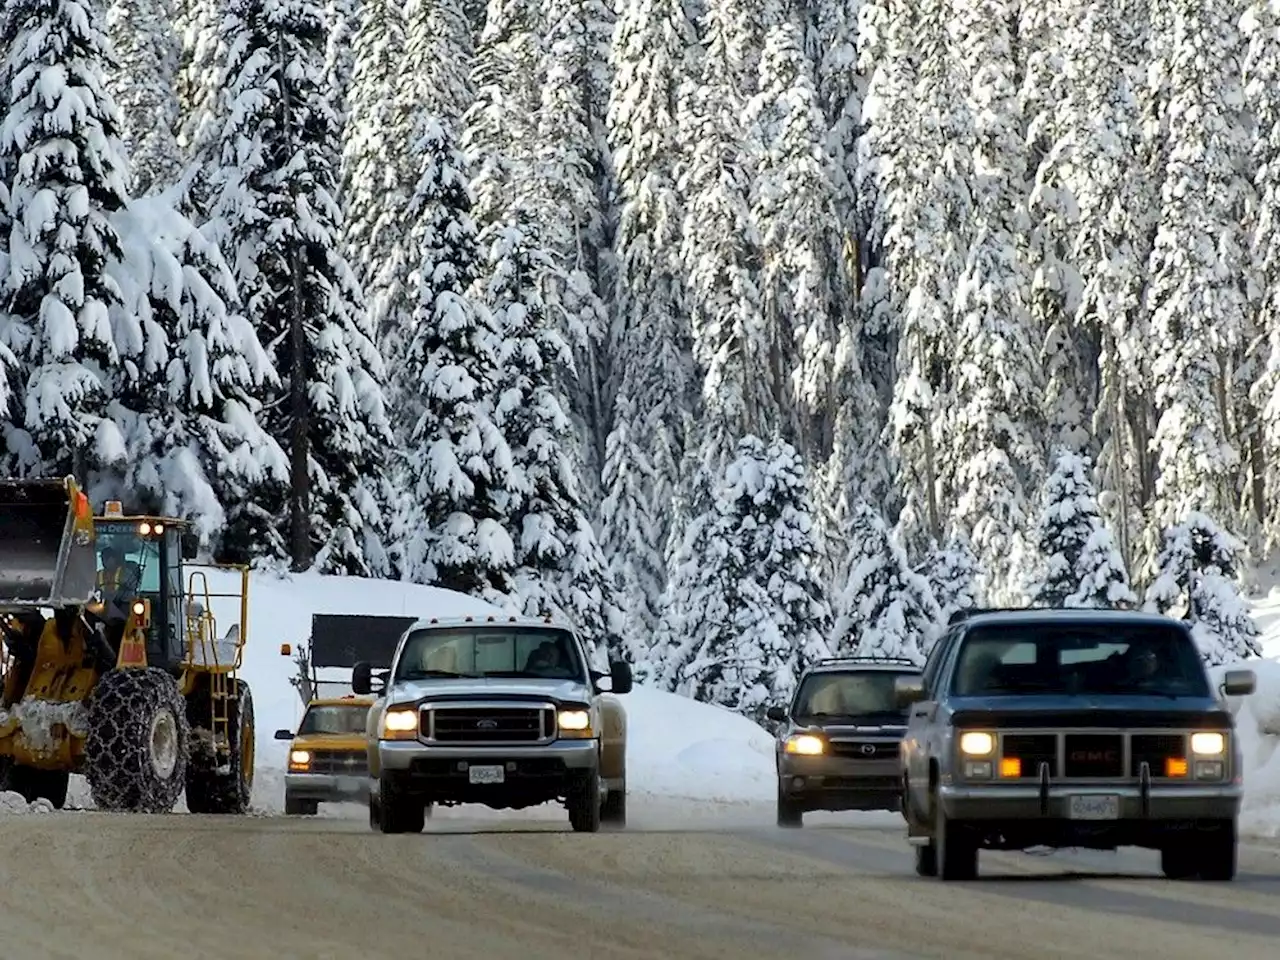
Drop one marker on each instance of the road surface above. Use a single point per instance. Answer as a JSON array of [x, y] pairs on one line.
[[91, 886]]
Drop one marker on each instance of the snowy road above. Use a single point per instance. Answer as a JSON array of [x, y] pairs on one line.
[[108, 887]]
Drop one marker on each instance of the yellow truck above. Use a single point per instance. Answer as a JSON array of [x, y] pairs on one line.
[[327, 756]]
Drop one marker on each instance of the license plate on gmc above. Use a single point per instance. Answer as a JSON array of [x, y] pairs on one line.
[[487, 774], [1093, 807]]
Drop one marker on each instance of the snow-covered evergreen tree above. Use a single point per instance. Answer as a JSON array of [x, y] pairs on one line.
[[63, 172], [272, 181], [450, 527], [560, 569], [1079, 565], [755, 612], [201, 62], [885, 608], [1196, 569], [143, 81], [952, 571]]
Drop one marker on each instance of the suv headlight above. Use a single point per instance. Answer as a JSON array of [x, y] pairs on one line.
[[805, 745], [299, 760], [400, 723], [574, 722]]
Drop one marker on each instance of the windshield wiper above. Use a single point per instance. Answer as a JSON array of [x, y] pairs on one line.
[[523, 675], [426, 674]]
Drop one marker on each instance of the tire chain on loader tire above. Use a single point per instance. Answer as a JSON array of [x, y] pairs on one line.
[[223, 793], [117, 755]]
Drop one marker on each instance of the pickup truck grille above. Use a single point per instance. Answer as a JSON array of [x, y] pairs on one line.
[[489, 724], [1096, 754], [339, 763]]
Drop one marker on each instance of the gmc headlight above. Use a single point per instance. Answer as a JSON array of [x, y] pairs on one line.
[[299, 759], [1208, 744], [400, 724], [977, 743], [574, 723], [805, 745]]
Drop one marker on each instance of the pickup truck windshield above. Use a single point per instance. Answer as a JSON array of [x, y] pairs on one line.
[[329, 719], [497, 651], [1010, 660], [848, 695]]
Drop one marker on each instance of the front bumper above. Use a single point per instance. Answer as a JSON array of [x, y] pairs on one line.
[[531, 775], [327, 788], [1028, 803], [840, 783]]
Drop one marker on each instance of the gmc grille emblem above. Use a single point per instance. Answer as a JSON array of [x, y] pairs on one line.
[[487, 724], [1094, 756]]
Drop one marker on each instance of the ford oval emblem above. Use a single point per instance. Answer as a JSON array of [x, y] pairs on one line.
[[868, 749], [487, 724]]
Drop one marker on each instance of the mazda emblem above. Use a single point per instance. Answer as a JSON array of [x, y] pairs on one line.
[[868, 749], [487, 724]]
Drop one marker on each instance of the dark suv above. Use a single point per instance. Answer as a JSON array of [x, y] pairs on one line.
[[838, 743]]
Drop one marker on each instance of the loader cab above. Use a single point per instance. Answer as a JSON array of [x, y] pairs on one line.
[[140, 558]]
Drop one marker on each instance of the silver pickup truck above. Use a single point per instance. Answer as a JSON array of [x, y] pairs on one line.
[[1071, 728], [504, 712]]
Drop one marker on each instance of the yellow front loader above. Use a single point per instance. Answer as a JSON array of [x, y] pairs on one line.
[[113, 665]]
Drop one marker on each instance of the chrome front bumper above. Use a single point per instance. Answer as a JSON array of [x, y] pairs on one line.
[[324, 787], [401, 755], [1031, 802]]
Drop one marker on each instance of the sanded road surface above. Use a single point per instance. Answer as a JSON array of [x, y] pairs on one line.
[[90, 886]]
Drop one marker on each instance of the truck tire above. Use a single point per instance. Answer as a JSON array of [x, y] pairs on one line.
[[790, 815], [139, 740], [614, 812], [229, 792], [296, 807], [396, 812], [955, 850], [1207, 854], [35, 784], [584, 803]]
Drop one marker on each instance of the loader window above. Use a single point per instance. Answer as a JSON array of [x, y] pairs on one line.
[[126, 560]]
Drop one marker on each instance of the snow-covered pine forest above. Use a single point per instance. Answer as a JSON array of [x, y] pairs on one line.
[[738, 333]]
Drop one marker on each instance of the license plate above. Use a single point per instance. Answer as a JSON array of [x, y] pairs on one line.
[[350, 784], [494, 774], [1093, 807]]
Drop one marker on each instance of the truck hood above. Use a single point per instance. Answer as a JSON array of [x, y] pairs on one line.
[[1082, 710], [574, 691], [329, 741]]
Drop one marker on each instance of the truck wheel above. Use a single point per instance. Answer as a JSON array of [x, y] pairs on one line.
[[614, 812], [396, 812], [955, 850], [789, 812], [297, 807], [139, 740], [1216, 850], [584, 803], [926, 859], [229, 791], [35, 784]]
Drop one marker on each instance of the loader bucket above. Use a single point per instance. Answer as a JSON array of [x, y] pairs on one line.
[[46, 545]]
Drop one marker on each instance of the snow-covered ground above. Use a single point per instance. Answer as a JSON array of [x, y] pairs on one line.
[[1258, 718]]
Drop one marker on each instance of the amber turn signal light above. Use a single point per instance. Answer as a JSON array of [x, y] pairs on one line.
[[1010, 767], [1175, 767]]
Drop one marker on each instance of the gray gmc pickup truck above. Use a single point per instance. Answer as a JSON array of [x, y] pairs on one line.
[[1071, 728]]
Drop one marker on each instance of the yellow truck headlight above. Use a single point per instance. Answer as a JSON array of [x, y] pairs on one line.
[[299, 759], [977, 743], [574, 723], [805, 745], [1208, 744], [400, 724]]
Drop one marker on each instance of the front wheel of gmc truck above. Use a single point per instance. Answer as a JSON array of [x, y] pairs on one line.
[[955, 848], [1207, 854]]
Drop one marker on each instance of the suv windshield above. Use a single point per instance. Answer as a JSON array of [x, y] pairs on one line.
[[335, 719], [1019, 659], [853, 694], [497, 651]]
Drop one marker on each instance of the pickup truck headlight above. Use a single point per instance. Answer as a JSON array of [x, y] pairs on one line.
[[977, 743], [805, 744], [400, 724], [574, 723], [299, 759], [1208, 744]]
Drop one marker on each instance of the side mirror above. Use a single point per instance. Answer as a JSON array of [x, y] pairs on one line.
[[362, 678], [620, 679], [286, 650], [908, 690], [283, 735], [1239, 683], [190, 545], [777, 714]]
